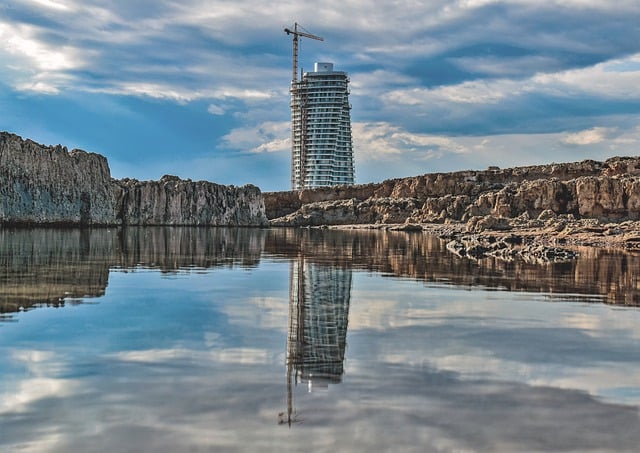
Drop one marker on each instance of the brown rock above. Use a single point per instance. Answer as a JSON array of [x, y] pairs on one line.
[[605, 191]]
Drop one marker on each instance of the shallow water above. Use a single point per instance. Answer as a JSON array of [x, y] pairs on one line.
[[196, 339]]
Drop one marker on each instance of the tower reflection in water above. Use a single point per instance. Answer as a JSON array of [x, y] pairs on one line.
[[319, 296]]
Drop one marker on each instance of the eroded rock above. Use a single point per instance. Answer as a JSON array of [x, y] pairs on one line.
[[508, 248], [50, 185], [607, 191], [175, 201]]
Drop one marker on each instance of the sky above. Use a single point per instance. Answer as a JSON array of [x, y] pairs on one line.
[[200, 88]]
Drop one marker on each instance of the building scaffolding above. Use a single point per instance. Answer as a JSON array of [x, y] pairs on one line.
[[321, 143]]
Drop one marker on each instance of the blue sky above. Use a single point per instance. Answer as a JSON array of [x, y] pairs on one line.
[[199, 89]]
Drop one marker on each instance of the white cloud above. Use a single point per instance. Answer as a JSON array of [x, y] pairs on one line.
[[153, 90], [244, 94], [267, 311], [274, 146], [630, 5], [38, 87], [270, 136], [183, 94], [238, 355], [142, 53], [55, 5], [41, 383], [473, 92], [216, 109], [35, 65], [614, 80], [131, 38], [587, 137], [382, 140], [27, 52], [605, 80], [472, 4], [627, 140], [378, 140]]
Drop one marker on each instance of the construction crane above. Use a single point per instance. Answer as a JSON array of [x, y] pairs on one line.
[[298, 113], [296, 34]]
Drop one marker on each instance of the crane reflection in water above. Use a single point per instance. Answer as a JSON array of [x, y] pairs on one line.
[[319, 297]]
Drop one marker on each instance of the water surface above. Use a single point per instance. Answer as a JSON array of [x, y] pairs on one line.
[[197, 339]]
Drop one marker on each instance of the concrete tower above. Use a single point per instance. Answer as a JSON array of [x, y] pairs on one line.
[[322, 151]]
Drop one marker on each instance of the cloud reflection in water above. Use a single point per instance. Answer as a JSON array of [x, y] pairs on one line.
[[199, 362]]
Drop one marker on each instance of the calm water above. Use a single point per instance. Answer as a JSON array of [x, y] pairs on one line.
[[194, 340]]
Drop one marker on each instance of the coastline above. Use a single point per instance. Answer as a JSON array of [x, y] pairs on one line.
[[556, 240], [579, 233], [505, 212]]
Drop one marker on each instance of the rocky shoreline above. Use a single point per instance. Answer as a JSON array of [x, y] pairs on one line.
[[608, 191], [535, 212], [550, 238], [523, 212]]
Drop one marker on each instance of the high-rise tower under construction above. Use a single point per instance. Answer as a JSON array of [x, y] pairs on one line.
[[322, 151]]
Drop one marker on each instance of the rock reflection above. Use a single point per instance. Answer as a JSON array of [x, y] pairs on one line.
[[61, 266], [319, 297], [54, 267], [598, 274], [51, 266], [171, 249]]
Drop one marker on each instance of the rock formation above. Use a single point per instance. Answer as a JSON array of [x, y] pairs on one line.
[[174, 201], [607, 191], [50, 185]]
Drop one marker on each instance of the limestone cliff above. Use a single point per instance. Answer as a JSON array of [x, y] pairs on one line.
[[174, 201], [607, 191], [49, 185]]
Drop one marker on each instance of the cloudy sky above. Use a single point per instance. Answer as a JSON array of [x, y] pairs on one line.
[[199, 88]]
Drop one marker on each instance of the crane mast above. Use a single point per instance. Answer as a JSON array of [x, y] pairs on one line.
[[296, 34]]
